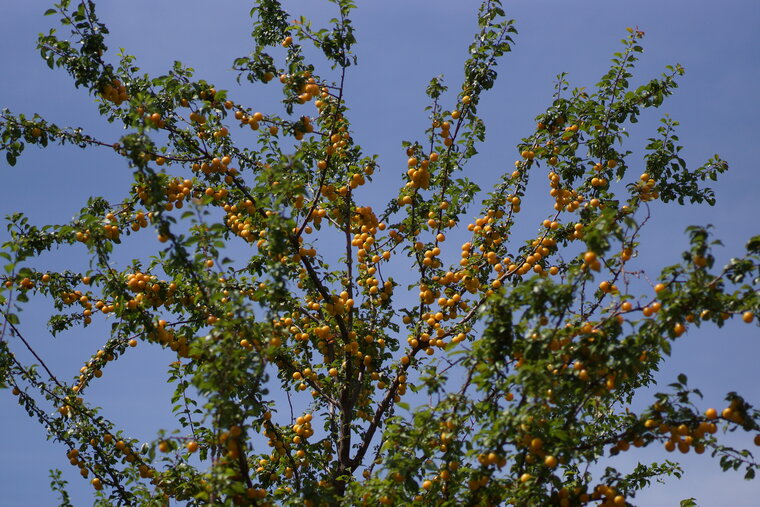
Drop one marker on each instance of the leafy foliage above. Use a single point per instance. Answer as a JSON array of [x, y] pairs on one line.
[[269, 276]]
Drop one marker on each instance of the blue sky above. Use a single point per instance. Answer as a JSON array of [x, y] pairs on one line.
[[402, 44]]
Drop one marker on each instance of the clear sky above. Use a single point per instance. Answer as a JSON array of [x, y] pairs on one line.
[[402, 44]]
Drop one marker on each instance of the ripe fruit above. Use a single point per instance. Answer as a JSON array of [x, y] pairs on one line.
[[748, 317], [192, 446]]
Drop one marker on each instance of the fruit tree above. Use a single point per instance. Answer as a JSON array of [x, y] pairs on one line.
[[441, 349]]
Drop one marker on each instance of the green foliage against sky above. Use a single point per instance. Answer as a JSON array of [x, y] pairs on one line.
[[328, 352]]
